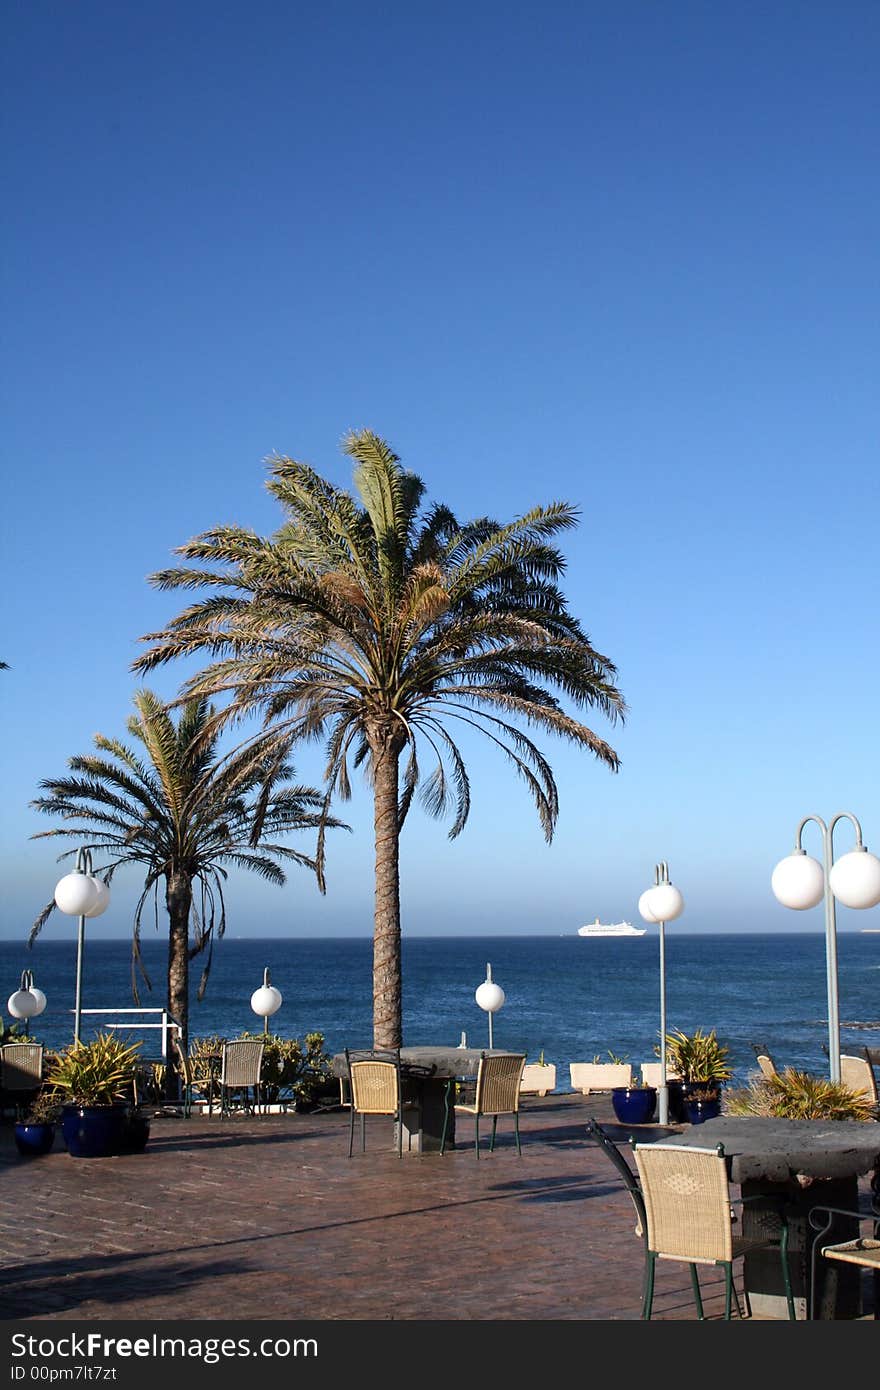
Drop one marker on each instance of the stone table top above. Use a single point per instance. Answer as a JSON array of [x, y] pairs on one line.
[[445, 1061], [774, 1150]]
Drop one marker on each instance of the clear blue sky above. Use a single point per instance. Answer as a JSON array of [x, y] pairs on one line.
[[625, 255]]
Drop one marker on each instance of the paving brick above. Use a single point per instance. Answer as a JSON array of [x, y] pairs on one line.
[[266, 1217]]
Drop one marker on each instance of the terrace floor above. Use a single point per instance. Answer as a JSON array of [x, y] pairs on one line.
[[267, 1218]]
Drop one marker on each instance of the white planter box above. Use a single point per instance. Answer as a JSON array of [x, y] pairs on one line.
[[651, 1073], [599, 1076], [537, 1080]]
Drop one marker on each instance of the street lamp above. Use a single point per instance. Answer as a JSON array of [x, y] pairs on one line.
[[800, 882], [662, 904], [266, 1000], [27, 1002], [490, 997], [81, 895]]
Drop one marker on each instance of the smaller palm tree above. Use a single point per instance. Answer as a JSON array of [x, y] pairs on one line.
[[183, 814]]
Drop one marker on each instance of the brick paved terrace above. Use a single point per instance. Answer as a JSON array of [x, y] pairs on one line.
[[266, 1217]]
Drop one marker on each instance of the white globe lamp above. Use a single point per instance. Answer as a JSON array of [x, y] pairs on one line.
[[266, 1000], [23, 1004], [645, 909], [666, 902], [855, 879], [798, 881], [490, 997], [76, 894], [102, 897]]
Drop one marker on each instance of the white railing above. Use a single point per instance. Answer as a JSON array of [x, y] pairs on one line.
[[164, 1024]]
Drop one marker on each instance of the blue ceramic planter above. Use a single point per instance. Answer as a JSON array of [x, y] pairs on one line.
[[34, 1140], [634, 1105], [93, 1131], [700, 1110]]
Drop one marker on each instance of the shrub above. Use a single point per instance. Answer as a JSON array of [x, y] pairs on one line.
[[796, 1095], [44, 1109]]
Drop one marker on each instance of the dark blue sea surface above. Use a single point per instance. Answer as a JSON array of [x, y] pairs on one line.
[[569, 997]]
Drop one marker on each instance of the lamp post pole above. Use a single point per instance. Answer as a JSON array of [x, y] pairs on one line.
[[490, 996], [662, 904], [84, 865], [800, 882], [81, 895]]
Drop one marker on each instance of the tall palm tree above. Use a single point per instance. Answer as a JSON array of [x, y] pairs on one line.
[[183, 813], [382, 626]]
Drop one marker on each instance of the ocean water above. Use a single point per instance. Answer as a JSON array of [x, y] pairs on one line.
[[569, 997]]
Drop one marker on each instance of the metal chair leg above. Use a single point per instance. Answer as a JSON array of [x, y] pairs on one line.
[[494, 1129], [351, 1132], [449, 1088], [786, 1274], [728, 1290], [648, 1299], [477, 1135], [516, 1132], [695, 1281]]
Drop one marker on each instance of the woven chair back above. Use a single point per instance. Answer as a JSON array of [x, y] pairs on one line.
[[21, 1066], [241, 1063], [498, 1084], [375, 1087], [858, 1074], [687, 1202]]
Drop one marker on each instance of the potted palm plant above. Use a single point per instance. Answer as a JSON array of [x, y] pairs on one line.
[[94, 1082], [701, 1062], [35, 1131]]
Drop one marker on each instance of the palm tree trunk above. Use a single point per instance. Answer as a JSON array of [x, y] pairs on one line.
[[178, 900], [387, 993]]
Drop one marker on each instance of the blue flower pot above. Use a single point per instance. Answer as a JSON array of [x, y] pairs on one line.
[[700, 1110], [93, 1131], [34, 1140], [634, 1105]]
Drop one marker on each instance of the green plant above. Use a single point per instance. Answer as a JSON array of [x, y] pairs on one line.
[[696, 1057], [44, 1109], [796, 1095], [100, 1072], [182, 811], [614, 1059], [14, 1032], [370, 621], [703, 1093]]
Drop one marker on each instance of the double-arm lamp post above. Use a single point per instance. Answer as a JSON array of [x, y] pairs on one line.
[[800, 882], [662, 904]]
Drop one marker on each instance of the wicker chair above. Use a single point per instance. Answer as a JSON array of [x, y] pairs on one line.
[[497, 1093], [240, 1068], [630, 1179], [688, 1213], [860, 1250], [374, 1088], [21, 1073], [858, 1074]]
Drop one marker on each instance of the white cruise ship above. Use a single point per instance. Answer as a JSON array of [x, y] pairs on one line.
[[598, 928]]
